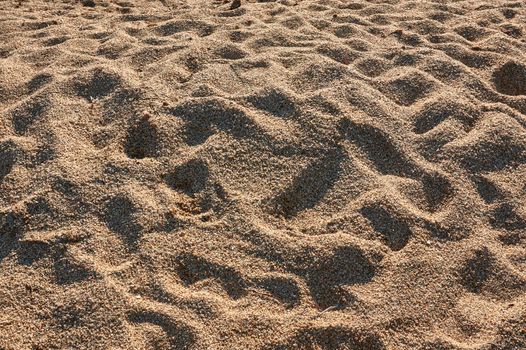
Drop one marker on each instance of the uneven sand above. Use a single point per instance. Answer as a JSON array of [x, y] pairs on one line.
[[283, 175]]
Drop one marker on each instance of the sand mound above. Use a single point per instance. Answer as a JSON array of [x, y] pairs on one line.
[[290, 174]]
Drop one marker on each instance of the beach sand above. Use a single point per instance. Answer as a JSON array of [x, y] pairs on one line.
[[263, 175]]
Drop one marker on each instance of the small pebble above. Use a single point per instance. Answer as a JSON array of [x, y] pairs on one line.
[[88, 3], [235, 4]]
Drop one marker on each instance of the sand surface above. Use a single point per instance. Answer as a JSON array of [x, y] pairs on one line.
[[263, 175]]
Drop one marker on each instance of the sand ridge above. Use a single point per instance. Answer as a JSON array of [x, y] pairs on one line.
[[275, 175]]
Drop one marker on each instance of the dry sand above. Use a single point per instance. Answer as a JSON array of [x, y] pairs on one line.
[[263, 175]]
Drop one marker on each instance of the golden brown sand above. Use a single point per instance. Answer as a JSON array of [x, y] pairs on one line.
[[263, 174]]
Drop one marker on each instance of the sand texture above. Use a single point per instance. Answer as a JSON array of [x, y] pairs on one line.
[[291, 174]]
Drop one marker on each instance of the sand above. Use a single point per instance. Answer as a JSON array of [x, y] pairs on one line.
[[263, 174]]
